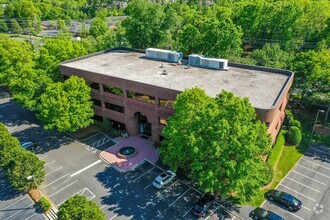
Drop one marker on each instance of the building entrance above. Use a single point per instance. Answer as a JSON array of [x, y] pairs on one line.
[[144, 125]]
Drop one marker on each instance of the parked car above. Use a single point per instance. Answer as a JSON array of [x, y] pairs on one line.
[[263, 214], [163, 179], [29, 145], [202, 205], [285, 199]]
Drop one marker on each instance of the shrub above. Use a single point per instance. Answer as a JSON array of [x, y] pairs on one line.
[[106, 126], [293, 136], [294, 123], [288, 117], [44, 204]]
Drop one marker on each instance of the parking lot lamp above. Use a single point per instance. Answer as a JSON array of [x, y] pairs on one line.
[[317, 115]]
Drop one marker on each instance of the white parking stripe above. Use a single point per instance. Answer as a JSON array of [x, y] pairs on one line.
[[166, 189], [85, 168], [43, 157], [19, 211], [143, 174], [313, 171], [233, 218], [47, 164], [53, 171], [299, 193], [147, 186], [316, 164], [187, 212], [63, 188], [43, 187], [31, 216], [306, 208], [13, 203], [102, 207], [179, 197], [214, 212], [113, 217], [293, 214], [323, 152], [303, 185], [309, 177]]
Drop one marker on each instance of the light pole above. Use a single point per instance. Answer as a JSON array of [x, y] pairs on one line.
[[31, 177], [317, 115]]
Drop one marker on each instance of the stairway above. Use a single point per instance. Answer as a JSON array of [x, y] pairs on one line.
[[52, 214]]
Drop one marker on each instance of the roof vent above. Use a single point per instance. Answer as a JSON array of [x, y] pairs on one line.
[[213, 63], [164, 72], [166, 55]]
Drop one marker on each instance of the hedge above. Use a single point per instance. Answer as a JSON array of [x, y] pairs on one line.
[[295, 123], [275, 152]]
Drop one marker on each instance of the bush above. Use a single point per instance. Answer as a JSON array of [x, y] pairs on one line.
[[288, 117], [106, 126], [44, 204], [295, 123], [293, 136]]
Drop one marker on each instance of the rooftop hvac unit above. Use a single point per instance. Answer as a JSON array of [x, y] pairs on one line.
[[166, 55], [213, 63], [195, 60]]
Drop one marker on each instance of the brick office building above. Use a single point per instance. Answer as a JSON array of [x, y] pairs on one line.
[[137, 93]]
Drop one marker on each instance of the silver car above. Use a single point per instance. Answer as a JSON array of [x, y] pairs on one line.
[[163, 179]]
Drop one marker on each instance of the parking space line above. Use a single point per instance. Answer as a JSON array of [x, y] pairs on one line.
[[55, 181], [81, 192], [187, 212], [31, 216], [90, 137], [166, 188], [309, 177], [47, 164], [143, 174], [316, 164], [53, 171], [63, 188], [320, 151], [306, 208], [213, 212], [233, 217], [43, 157], [179, 198], [147, 186], [13, 203], [85, 168], [303, 185], [113, 217], [102, 206], [19, 211], [313, 171], [293, 214], [298, 193]]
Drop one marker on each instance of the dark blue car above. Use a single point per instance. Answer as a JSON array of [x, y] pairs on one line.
[[263, 214], [285, 199]]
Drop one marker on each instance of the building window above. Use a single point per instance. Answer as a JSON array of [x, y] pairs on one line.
[[97, 102], [114, 107], [141, 97], [162, 121], [94, 85], [113, 90], [267, 124], [98, 118], [166, 103]]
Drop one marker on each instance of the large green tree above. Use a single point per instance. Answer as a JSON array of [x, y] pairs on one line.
[[66, 106], [218, 141], [98, 27], [79, 207]]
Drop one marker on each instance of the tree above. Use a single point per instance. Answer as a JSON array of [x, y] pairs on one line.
[[15, 27], [219, 142], [312, 73], [79, 207], [98, 27], [66, 106], [271, 55], [8, 144], [24, 164], [3, 26], [293, 136]]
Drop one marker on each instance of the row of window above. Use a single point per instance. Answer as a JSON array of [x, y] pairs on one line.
[[133, 95], [111, 106]]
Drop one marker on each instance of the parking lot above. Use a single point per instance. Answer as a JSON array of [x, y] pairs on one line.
[[309, 181]]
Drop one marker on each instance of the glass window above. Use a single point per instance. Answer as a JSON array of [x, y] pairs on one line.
[[114, 107], [166, 103], [97, 102], [94, 85], [141, 97], [113, 90]]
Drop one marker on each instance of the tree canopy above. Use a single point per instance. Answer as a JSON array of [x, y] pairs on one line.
[[79, 207], [66, 106], [218, 141]]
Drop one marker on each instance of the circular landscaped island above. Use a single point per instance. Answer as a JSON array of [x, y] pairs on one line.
[[127, 152]]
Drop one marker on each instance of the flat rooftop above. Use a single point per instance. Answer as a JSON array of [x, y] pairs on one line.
[[262, 86]]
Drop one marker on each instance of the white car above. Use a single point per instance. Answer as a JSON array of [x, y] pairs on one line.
[[163, 179]]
